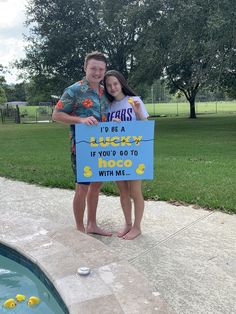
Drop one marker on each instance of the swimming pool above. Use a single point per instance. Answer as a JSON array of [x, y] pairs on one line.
[[18, 275]]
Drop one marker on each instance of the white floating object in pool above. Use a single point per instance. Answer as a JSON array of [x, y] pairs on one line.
[[83, 271]]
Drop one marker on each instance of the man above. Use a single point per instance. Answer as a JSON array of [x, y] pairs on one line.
[[84, 102]]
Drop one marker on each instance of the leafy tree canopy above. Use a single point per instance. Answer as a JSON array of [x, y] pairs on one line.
[[190, 43], [63, 32], [3, 98], [2, 78]]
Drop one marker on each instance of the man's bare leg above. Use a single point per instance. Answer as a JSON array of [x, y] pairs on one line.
[[137, 196], [92, 203], [126, 205], [79, 203]]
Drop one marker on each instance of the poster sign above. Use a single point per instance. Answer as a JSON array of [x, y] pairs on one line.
[[113, 151]]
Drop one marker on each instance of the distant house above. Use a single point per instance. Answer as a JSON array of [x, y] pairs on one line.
[[45, 103], [17, 103]]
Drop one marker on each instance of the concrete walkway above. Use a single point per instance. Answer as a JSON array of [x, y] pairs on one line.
[[184, 262]]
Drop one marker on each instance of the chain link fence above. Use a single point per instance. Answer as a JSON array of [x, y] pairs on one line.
[[43, 112], [9, 114], [183, 108], [26, 114]]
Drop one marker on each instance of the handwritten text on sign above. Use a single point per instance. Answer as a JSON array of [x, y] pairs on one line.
[[112, 151]]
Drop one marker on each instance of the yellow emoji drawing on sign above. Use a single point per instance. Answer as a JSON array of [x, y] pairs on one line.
[[140, 169], [87, 172]]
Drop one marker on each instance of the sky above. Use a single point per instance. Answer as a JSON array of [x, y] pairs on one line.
[[12, 17]]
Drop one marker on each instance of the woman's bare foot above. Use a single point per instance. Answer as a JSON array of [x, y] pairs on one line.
[[96, 230], [125, 230], [132, 234]]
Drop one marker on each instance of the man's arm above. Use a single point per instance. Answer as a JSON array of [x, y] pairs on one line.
[[64, 117]]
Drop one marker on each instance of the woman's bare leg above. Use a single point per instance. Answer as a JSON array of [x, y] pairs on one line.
[[126, 205], [137, 196]]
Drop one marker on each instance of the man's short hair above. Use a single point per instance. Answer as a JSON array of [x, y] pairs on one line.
[[99, 56]]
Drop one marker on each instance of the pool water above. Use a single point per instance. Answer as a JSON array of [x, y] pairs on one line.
[[17, 279]]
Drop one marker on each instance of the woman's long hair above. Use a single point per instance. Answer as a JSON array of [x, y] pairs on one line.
[[124, 85]]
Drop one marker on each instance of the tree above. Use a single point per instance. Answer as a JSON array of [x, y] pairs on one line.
[[228, 77], [228, 83], [183, 43], [223, 27], [179, 41], [37, 92], [62, 33], [3, 98], [119, 28], [56, 44], [15, 91], [2, 78]]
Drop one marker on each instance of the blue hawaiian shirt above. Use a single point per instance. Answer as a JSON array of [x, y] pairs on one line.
[[81, 100]]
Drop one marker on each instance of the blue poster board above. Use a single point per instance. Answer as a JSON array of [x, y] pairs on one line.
[[113, 151]]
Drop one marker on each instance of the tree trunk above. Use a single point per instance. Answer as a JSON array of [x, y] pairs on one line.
[[192, 108]]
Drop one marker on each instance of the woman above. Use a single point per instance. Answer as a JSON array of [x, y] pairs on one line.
[[125, 106]]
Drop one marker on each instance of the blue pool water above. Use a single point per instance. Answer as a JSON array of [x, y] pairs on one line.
[[17, 279]]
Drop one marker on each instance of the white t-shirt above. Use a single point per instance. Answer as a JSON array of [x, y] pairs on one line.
[[124, 111]]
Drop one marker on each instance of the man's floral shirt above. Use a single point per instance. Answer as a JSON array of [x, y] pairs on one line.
[[81, 100]]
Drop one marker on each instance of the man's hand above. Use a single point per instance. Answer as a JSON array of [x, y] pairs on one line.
[[89, 120]]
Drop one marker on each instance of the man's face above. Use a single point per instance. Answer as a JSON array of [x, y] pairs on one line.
[[95, 71]]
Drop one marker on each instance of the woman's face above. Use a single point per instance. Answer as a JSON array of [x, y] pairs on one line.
[[114, 87]]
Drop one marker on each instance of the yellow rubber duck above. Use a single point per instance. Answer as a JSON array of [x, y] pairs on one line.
[[33, 301], [140, 169], [9, 304], [130, 100], [20, 297], [87, 172]]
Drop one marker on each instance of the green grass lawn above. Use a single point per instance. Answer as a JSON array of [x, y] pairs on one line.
[[195, 160]]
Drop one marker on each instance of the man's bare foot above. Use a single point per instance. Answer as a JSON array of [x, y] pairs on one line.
[[125, 230], [132, 234], [81, 228], [96, 230]]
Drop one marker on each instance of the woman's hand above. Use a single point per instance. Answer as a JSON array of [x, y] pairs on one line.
[[136, 107], [116, 120]]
